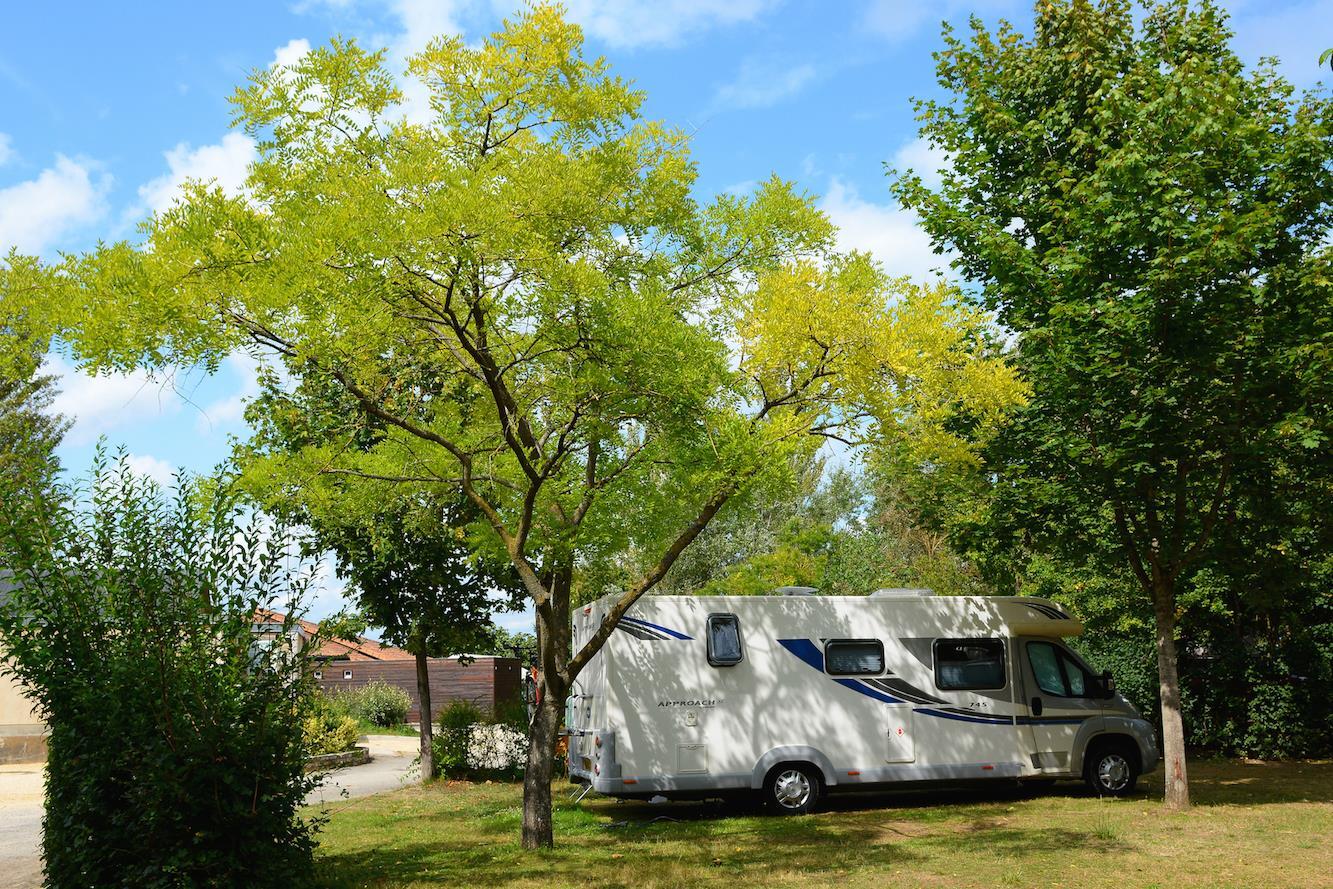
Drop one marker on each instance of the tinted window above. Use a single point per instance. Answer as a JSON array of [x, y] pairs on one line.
[[849, 657], [724, 640], [1046, 668], [962, 664], [1057, 672]]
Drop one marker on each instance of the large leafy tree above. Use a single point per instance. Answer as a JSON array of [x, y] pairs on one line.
[[410, 565], [1151, 219], [524, 293]]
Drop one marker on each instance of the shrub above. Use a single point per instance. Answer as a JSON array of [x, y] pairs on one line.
[[450, 744], [176, 754], [329, 732], [378, 703], [470, 745]]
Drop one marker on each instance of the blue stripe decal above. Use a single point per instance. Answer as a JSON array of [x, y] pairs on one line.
[[868, 691], [806, 651], [983, 720], [669, 632], [1039, 720], [811, 654]]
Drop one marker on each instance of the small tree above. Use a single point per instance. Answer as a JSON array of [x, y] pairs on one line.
[[176, 754], [1152, 221], [408, 557], [524, 293]]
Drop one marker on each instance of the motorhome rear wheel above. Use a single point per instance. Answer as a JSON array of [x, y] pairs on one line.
[[792, 789]]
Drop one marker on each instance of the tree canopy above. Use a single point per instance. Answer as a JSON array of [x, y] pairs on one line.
[[1151, 220], [525, 295]]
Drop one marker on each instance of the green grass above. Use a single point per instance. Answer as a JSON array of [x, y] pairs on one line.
[[370, 728], [1252, 825]]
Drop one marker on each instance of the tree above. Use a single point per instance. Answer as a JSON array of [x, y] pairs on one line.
[[29, 431], [523, 292], [408, 557], [1150, 219]]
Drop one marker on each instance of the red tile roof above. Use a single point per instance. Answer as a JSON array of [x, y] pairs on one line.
[[359, 648]]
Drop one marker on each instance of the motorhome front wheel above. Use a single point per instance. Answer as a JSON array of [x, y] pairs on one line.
[[1112, 771], [792, 790]]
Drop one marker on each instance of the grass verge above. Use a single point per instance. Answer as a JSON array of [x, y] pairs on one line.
[[1253, 824], [370, 728]]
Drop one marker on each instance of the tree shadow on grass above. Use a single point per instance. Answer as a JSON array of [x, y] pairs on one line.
[[1226, 782]]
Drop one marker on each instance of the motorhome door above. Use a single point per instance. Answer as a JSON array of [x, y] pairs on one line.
[[1061, 695]]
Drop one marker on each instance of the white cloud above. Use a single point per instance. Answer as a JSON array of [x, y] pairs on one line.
[[633, 23], [35, 215], [620, 23], [763, 84], [886, 231], [423, 21], [899, 20], [6, 149], [224, 164], [922, 158], [290, 53], [521, 621], [159, 471], [102, 403], [230, 411]]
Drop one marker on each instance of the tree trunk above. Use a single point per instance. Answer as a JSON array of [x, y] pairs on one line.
[[553, 651], [427, 730], [1173, 726], [542, 736]]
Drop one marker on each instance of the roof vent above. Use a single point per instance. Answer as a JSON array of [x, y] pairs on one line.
[[900, 593], [795, 591]]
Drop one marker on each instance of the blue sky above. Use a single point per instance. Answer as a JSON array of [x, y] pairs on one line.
[[106, 108]]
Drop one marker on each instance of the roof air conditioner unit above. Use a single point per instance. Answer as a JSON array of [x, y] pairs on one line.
[[900, 593]]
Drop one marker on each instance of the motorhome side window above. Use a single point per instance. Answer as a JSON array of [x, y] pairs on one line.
[[1057, 673], [963, 664], [724, 640], [852, 657]]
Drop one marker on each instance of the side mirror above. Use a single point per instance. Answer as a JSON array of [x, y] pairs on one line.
[[1036, 706], [1108, 684]]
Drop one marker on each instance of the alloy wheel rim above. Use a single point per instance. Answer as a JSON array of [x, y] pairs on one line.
[[792, 789], [1113, 771]]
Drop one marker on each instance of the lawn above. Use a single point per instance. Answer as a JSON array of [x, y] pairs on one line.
[[370, 728], [1253, 825]]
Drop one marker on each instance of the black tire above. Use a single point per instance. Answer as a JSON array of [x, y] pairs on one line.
[[792, 788], [1112, 769]]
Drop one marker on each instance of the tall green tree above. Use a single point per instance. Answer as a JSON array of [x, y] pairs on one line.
[[1151, 219], [524, 292]]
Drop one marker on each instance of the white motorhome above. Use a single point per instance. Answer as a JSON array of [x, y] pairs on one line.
[[795, 695]]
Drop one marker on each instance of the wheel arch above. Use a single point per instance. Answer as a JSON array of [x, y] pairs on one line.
[[792, 754], [1111, 739]]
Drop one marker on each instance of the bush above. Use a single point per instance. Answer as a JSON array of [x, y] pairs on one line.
[[329, 732], [450, 744], [176, 751], [469, 744], [378, 703]]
